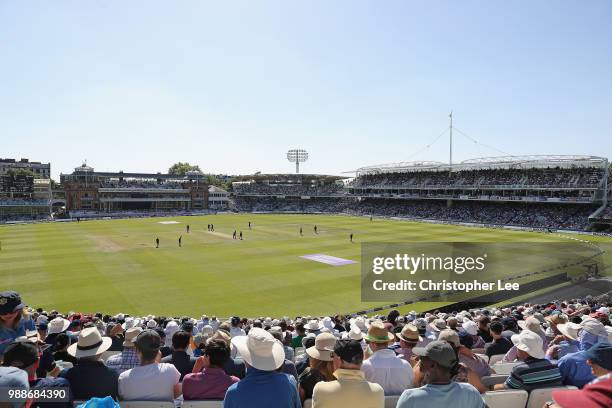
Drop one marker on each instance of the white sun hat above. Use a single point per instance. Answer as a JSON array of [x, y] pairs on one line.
[[470, 327], [313, 325], [131, 322], [90, 343], [355, 333], [260, 349], [569, 330], [57, 325], [530, 343]]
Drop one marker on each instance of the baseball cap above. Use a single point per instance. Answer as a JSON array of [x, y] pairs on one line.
[[439, 351], [21, 354], [349, 351], [10, 301], [601, 354], [148, 340]]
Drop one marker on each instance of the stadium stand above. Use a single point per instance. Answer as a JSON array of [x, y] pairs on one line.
[[559, 337], [546, 192]]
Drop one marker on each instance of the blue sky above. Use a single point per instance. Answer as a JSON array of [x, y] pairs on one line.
[[139, 85]]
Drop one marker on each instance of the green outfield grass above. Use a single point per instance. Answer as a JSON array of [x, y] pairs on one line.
[[113, 266]]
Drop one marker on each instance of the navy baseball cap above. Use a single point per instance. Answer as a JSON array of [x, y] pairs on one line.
[[10, 301], [21, 354], [601, 354]]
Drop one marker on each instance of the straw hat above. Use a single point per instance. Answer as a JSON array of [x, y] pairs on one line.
[[324, 347], [90, 343], [378, 334], [130, 336], [260, 349], [438, 324], [410, 334]]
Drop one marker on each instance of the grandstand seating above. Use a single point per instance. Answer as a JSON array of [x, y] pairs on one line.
[[539, 396], [390, 402], [506, 399]]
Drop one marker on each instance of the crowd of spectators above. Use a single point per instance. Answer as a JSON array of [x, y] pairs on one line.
[[435, 359], [315, 189], [524, 214], [546, 177]]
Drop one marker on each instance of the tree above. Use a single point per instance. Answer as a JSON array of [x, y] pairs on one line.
[[180, 168], [23, 172]]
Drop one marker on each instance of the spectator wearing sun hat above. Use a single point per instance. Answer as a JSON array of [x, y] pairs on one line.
[[56, 326], [534, 371], [350, 388], [90, 377], [150, 381], [564, 343], [384, 367], [320, 368], [574, 367], [14, 322], [127, 358], [263, 386], [408, 339]]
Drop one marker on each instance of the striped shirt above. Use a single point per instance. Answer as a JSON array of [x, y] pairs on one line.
[[534, 373]]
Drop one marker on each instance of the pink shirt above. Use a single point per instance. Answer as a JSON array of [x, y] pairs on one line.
[[210, 383]]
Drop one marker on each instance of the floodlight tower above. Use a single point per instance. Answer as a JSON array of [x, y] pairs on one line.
[[297, 156]]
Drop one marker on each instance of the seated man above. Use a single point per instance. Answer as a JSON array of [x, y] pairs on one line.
[[384, 367], [182, 361], [438, 361], [351, 389], [500, 344], [90, 377], [534, 371], [150, 381], [209, 380], [127, 358], [262, 386]]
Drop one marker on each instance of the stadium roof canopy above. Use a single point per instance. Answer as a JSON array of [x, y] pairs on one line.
[[483, 163], [288, 178]]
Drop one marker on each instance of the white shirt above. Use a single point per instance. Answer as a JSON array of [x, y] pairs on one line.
[[152, 382], [237, 331], [385, 368]]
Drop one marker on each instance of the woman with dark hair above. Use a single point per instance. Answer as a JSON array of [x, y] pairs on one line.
[[320, 365]]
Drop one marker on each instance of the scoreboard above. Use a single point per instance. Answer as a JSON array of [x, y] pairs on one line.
[[16, 183]]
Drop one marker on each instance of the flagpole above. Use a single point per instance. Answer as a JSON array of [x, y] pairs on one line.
[[450, 158]]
